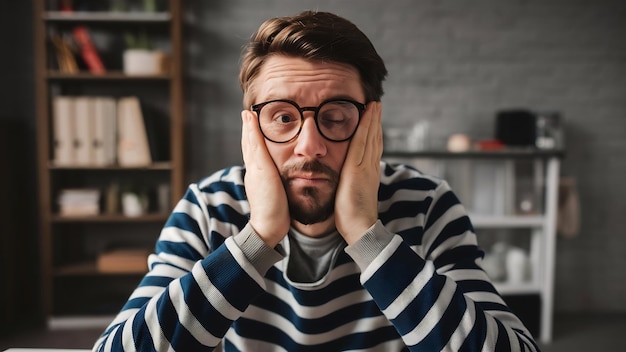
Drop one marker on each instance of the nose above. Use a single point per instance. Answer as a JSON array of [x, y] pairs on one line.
[[310, 142]]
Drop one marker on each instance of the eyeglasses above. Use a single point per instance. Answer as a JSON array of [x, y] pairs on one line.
[[281, 120]]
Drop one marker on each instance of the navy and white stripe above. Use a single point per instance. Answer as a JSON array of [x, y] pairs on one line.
[[425, 291]]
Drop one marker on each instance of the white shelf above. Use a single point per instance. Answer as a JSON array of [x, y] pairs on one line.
[[80, 322], [496, 170], [506, 288], [507, 221]]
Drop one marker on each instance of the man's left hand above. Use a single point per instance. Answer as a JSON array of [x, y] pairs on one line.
[[356, 203]]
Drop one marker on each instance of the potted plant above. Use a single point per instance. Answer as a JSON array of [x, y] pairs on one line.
[[139, 57]]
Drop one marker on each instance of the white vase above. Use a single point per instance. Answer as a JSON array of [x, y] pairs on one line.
[[516, 265], [131, 205], [142, 62]]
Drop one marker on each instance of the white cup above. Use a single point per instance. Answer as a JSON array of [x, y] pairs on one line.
[[516, 265]]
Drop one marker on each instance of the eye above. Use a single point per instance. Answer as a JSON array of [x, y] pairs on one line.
[[283, 117], [333, 116], [337, 113], [280, 113]]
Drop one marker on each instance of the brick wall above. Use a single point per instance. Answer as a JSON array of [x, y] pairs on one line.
[[454, 63]]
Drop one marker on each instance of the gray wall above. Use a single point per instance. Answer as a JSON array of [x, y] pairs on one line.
[[451, 62], [454, 63]]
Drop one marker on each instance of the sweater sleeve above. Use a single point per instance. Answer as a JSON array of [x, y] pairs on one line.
[[436, 295], [188, 280]]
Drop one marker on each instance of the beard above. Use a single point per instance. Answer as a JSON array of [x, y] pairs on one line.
[[310, 205]]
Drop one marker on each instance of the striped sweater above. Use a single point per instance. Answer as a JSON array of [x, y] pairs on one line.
[[213, 282]]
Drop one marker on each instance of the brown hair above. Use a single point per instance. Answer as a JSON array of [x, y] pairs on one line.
[[315, 36]]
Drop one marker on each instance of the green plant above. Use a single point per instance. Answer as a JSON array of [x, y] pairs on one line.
[[137, 41]]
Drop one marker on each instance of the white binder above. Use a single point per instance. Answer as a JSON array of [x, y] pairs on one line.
[[132, 146]]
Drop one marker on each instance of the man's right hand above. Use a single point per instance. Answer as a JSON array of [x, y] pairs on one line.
[[269, 210]]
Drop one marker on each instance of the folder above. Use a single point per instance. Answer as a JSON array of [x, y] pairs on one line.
[[85, 130], [63, 130], [104, 141], [132, 146]]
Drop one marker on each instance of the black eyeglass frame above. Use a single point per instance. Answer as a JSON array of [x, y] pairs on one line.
[[360, 108]]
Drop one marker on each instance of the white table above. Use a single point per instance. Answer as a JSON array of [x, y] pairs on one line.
[[45, 350]]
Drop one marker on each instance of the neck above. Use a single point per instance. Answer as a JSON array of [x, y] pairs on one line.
[[315, 230]]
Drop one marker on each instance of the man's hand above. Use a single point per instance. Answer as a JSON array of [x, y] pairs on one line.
[[269, 210], [356, 203]]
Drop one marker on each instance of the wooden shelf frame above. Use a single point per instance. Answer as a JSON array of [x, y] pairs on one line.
[[107, 16], [44, 76], [53, 75], [89, 268]]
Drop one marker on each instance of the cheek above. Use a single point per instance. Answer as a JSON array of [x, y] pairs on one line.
[[280, 153], [337, 154]]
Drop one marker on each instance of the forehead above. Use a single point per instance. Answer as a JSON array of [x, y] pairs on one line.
[[307, 82]]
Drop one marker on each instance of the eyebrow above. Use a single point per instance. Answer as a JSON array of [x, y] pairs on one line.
[[334, 97]]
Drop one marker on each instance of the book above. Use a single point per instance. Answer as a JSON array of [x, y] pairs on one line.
[[88, 50], [66, 6], [79, 202], [132, 146], [123, 260], [65, 60], [157, 131], [85, 130], [104, 141], [63, 130]]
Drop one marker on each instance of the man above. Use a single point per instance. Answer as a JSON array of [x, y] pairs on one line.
[[316, 244]]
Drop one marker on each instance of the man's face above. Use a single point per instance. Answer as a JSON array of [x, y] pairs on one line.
[[309, 165]]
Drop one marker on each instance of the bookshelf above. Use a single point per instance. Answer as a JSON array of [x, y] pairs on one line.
[[72, 287], [510, 174]]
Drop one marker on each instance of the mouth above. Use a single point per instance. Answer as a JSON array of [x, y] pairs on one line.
[[311, 174], [307, 179]]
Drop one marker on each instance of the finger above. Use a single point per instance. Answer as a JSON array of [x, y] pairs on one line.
[[246, 134], [375, 140], [372, 147], [359, 141], [253, 143]]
